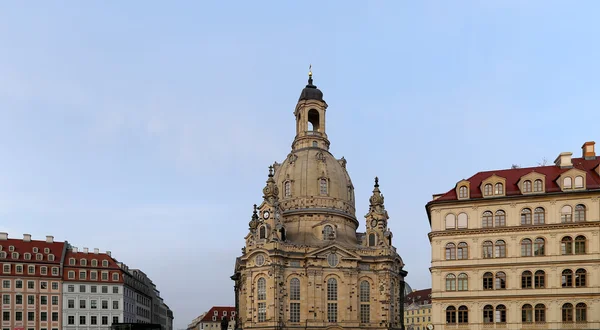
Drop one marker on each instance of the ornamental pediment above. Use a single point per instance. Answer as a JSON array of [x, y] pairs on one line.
[[334, 248]]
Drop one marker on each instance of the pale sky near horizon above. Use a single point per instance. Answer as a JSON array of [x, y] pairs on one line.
[[146, 128]]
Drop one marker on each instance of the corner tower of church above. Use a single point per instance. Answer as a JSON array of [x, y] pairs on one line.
[[304, 265]]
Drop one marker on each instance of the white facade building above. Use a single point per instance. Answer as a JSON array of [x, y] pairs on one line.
[[92, 306]]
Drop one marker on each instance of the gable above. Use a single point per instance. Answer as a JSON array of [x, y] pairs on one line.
[[334, 248]]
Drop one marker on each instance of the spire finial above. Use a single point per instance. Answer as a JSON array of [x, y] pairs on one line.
[[270, 171], [310, 80], [376, 182]]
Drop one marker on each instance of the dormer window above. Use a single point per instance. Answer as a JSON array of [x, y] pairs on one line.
[[39, 256], [15, 255], [527, 186], [83, 262], [499, 189], [487, 190], [27, 256], [578, 182], [104, 263], [538, 186], [463, 192], [72, 261], [567, 183], [11, 248], [94, 263], [50, 257], [35, 250], [46, 250]]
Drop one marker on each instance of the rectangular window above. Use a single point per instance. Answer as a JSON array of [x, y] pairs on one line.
[[30, 285], [71, 303], [19, 284], [71, 275], [115, 319], [18, 316], [332, 312], [6, 299], [6, 268], [43, 300], [19, 269], [262, 312], [30, 316], [82, 303], [104, 320], [19, 300], [82, 319], [93, 275], [104, 304], [82, 288], [54, 300], [44, 285], [104, 276], [93, 320], [54, 285], [104, 289], [30, 300], [71, 288], [294, 312], [93, 304], [115, 289], [6, 284], [44, 270], [82, 275], [115, 304], [365, 313], [54, 316], [5, 316], [44, 316], [31, 269], [54, 271]]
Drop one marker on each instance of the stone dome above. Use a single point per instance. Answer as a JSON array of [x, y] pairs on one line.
[[311, 92], [311, 179]]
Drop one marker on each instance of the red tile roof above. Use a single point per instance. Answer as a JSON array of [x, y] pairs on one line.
[[221, 311], [27, 247], [512, 177], [73, 262], [420, 297]]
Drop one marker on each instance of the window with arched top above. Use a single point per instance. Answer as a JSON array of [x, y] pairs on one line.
[[328, 232], [526, 216], [262, 232], [567, 183], [539, 313], [287, 188], [313, 120], [332, 300], [488, 250], [580, 244], [566, 245], [539, 216], [526, 280], [581, 312], [527, 313], [499, 189], [462, 252], [538, 186], [463, 221], [539, 247], [539, 279], [463, 315], [500, 281], [580, 278], [83, 262], [566, 214], [261, 293], [450, 314], [315, 144], [488, 314], [450, 221], [567, 312], [323, 186], [450, 251], [578, 182], [526, 248], [295, 300], [579, 213], [365, 302], [500, 314], [372, 239], [487, 219], [463, 282], [500, 218], [488, 190], [450, 282], [527, 186], [463, 192], [295, 289], [567, 278], [488, 281], [500, 249], [365, 292]]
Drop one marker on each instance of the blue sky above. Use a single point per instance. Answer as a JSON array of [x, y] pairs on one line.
[[146, 128]]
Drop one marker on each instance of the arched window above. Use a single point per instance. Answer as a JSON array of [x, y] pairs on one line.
[[450, 282], [580, 276], [579, 213], [567, 278], [463, 282], [462, 251], [566, 214], [463, 314], [462, 192], [487, 190], [540, 279], [287, 187], [261, 289], [262, 232], [567, 183], [539, 216], [580, 244], [567, 312], [500, 314], [500, 249], [315, 144], [365, 299], [295, 289], [488, 314], [526, 280], [487, 220], [526, 248], [488, 249], [323, 186], [463, 220], [539, 313], [526, 217], [450, 221], [94, 263], [294, 300], [539, 248], [450, 251], [527, 186], [332, 300], [488, 281], [538, 186], [328, 232], [566, 245], [578, 182], [83, 262], [372, 239], [500, 281], [500, 218], [527, 313], [499, 189], [451, 314], [581, 312]]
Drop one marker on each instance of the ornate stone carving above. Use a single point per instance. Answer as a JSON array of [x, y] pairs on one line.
[[320, 156], [292, 157], [553, 202]]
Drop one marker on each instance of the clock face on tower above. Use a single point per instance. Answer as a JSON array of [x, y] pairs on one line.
[[430, 326], [266, 215], [373, 223]]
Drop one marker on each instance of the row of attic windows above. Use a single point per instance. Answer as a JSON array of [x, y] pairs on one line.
[[528, 186], [528, 217]]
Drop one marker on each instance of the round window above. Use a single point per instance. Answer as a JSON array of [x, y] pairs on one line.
[[332, 259], [260, 260]]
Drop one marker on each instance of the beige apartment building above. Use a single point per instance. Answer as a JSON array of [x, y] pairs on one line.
[[519, 248], [417, 313], [304, 265]]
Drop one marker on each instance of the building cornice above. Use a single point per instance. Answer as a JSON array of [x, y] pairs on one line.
[[513, 229]]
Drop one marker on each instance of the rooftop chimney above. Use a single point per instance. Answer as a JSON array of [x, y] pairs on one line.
[[3, 236], [74, 249], [49, 239], [85, 250], [26, 237], [564, 160], [588, 151], [108, 252], [96, 251]]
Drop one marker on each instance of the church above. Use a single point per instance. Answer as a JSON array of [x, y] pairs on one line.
[[304, 265]]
